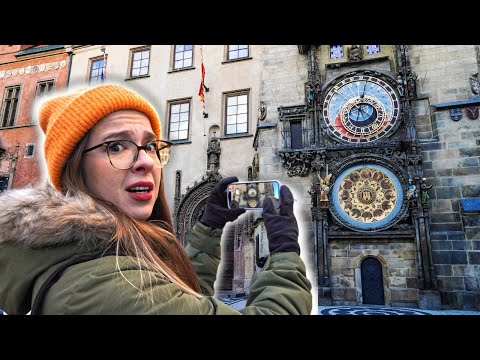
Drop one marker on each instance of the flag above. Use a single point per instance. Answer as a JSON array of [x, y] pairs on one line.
[[203, 89], [103, 74]]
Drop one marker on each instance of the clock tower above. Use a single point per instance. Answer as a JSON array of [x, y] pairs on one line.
[[355, 138]]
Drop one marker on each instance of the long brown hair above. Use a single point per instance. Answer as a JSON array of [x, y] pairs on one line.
[[152, 242]]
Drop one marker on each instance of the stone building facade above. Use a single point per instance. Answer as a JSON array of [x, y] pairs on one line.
[[207, 147], [27, 72], [380, 145]]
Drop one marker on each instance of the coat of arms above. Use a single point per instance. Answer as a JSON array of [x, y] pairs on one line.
[[472, 112], [455, 114], [475, 84]]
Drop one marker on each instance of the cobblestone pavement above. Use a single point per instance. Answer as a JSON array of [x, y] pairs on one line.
[[386, 310], [239, 303]]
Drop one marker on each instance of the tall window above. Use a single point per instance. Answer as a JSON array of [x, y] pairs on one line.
[[296, 135], [97, 71], [236, 113], [140, 62], [336, 51], [10, 105], [179, 120], [237, 52], [183, 56], [44, 88], [373, 49]]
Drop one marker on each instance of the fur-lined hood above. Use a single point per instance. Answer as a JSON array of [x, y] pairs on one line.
[[44, 217], [40, 228]]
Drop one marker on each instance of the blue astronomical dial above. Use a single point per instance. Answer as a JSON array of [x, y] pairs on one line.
[[361, 108]]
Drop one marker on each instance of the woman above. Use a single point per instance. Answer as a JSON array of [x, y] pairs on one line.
[[100, 241]]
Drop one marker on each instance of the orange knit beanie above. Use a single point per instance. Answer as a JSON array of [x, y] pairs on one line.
[[65, 120]]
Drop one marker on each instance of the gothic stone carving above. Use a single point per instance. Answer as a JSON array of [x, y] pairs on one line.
[[192, 205], [299, 162]]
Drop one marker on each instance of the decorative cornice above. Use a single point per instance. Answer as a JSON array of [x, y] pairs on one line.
[[33, 69], [291, 110]]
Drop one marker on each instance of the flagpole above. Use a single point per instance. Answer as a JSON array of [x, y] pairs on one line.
[[104, 64]]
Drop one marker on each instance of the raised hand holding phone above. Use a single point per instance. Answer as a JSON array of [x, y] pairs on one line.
[[282, 228], [217, 213]]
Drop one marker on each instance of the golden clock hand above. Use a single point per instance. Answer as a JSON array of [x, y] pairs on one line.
[[363, 93]]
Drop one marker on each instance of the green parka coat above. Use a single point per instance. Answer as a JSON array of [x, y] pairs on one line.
[[41, 229]]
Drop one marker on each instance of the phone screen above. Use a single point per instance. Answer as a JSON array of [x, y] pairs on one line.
[[251, 194]]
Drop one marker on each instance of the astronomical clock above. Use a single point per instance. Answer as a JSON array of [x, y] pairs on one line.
[[367, 197], [360, 109], [363, 108], [252, 198]]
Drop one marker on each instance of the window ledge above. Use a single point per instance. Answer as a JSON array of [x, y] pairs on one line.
[[236, 60], [18, 126], [137, 77], [180, 142], [182, 69], [236, 136]]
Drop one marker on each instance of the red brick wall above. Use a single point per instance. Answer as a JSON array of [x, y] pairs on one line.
[[29, 171]]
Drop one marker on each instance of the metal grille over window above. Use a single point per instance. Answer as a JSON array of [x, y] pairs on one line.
[[373, 49], [179, 115], [183, 56], [336, 51]]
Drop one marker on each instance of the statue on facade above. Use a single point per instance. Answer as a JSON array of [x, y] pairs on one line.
[[213, 153], [400, 85], [412, 192], [310, 94], [318, 93], [411, 84], [424, 189], [324, 190], [313, 195], [355, 53]]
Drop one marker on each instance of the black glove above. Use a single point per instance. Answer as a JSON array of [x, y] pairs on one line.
[[261, 261], [217, 213], [282, 228]]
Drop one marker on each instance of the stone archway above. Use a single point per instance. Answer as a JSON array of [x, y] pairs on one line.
[[192, 204]]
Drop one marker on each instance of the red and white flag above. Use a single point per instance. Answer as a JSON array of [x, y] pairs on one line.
[[203, 89]]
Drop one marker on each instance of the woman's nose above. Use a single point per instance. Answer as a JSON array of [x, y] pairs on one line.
[[144, 162]]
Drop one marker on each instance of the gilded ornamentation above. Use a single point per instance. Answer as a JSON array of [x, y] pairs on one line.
[[367, 195], [324, 190]]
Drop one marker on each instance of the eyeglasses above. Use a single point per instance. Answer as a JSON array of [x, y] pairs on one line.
[[123, 154]]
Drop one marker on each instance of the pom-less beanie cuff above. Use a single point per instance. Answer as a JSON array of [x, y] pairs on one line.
[[65, 120]]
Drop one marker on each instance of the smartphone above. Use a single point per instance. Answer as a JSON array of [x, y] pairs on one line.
[[250, 195]]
